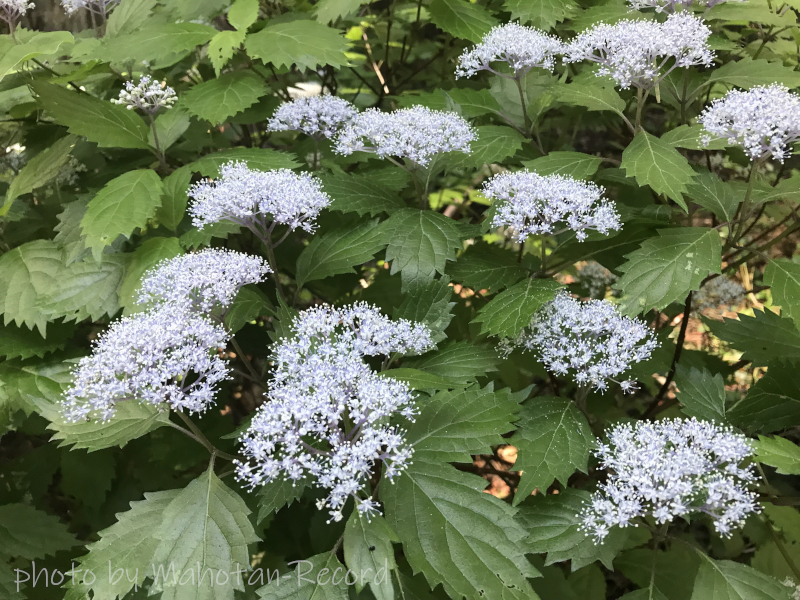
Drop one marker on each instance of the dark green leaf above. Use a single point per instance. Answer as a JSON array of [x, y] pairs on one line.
[[773, 403], [713, 194], [459, 361], [278, 493], [368, 552], [420, 380], [487, 266], [701, 393], [462, 19], [762, 337], [728, 580], [250, 304], [145, 257], [262, 159], [656, 163], [574, 164], [511, 311], [360, 194], [313, 579], [748, 73], [544, 14], [218, 99], [430, 304], [21, 342], [26, 532]]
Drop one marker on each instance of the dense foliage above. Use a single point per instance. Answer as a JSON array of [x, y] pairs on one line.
[[490, 299]]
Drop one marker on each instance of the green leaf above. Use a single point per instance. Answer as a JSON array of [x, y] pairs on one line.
[[23, 383], [544, 14], [462, 19], [574, 164], [308, 44], [783, 277], [666, 268], [278, 493], [669, 572], [174, 199], [20, 342], [701, 393], [106, 124], [748, 73], [368, 548], [420, 380], [553, 440], [762, 337], [493, 144], [691, 138], [197, 238], [223, 46], [87, 477], [170, 126], [773, 403], [780, 453], [145, 257], [595, 98], [154, 43], [128, 16], [466, 102], [728, 580], [49, 42], [69, 236], [328, 11], [262, 159], [360, 194], [510, 311], [313, 579], [40, 170], [122, 206], [452, 426], [487, 266], [250, 304], [420, 243], [656, 163], [26, 532], [129, 544], [243, 13], [430, 304], [219, 99], [336, 251], [9, 587], [713, 194], [459, 361], [553, 526], [787, 189], [205, 527], [456, 535], [26, 274]]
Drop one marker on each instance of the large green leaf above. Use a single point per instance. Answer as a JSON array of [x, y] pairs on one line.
[[510, 311], [156, 42], [773, 403], [748, 73], [21, 342], [46, 42], [368, 551], [321, 577], [106, 124], [421, 380], [487, 267], [360, 194], [174, 200], [26, 532], [250, 304], [123, 205], [783, 277], [667, 573], [553, 440], [666, 268], [278, 493], [691, 138], [701, 393], [462, 19], [128, 16], [780, 453], [308, 44], [762, 337], [328, 11], [458, 360], [456, 535], [656, 163], [218, 99], [728, 580], [543, 14], [170, 126], [713, 194], [594, 98], [205, 526], [574, 164], [494, 143], [223, 46]]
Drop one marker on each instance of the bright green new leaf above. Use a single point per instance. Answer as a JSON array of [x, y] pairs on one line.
[[223, 46], [308, 44], [26, 532], [780, 453], [328, 11], [656, 163], [154, 43], [49, 42], [368, 551], [462, 19], [219, 99], [243, 13], [458, 360], [773, 403], [701, 393], [573, 164], [728, 580], [783, 277], [360, 194], [510, 311], [145, 257], [128, 16]]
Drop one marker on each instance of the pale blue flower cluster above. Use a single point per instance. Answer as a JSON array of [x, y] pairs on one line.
[[641, 53], [167, 355], [148, 95], [258, 199], [672, 468], [531, 204], [764, 121], [202, 281], [11, 11], [595, 278], [522, 48], [591, 341], [327, 414], [417, 134], [316, 116], [99, 7]]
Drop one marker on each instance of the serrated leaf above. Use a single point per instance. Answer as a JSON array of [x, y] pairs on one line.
[[762, 337], [170, 126], [26, 274], [691, 138], [46, 42], [510, 311], [429, 304], [553, 440], [262, 159], [87, 477], [145, 257], [594, 98], [419, 244], [544, 14], [223, 46], [780, 453], [197, 238], [466, 102], [157, 42], [493, 144], [713, 194], [655, 163], [21, 342], [773, 403], [452, 426], [205, 527], [783, 278], [123, 205], [748, 73], [553, 526], [308, 44], [9, 587], [573, 164], [106, 124], [174, 199], [250, 304], [456, 535], [219, 99], [460, 361], [328, 11], [243, 13], [420, 380], [128, 16], [666, 268], [313, 579], [26, 532], [360, 194], [368, 547], [671, 572], [701, 393], [462, 19], [487, 266], [278, 493], [728, 580], [337, 251]]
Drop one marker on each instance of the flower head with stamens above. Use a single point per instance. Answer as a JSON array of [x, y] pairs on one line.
[[418, 134], [165, 356], [523, 48], [148, 95], [203, 280], [764, 121], [98, 7], [641, 53], [531, 204], [254, 198], [327, 415], [595, 279], [718, 293], [316, 116], [672, 468], [11, 11], [590, 341]]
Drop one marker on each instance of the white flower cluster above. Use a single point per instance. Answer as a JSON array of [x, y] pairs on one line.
[[764, 121], [203, 280], [167, 355], [327, 412], [595, 278], [417, 133], [589, 340], [672, 468], [523, 48], [719, 293], [316, 116], [11, 11], [636, 53], [670, 5], [253, 198], [147, 95], [532, 204], [100, 7]]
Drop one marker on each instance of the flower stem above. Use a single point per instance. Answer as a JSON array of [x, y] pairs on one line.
[[162, 162], [198, 436]]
